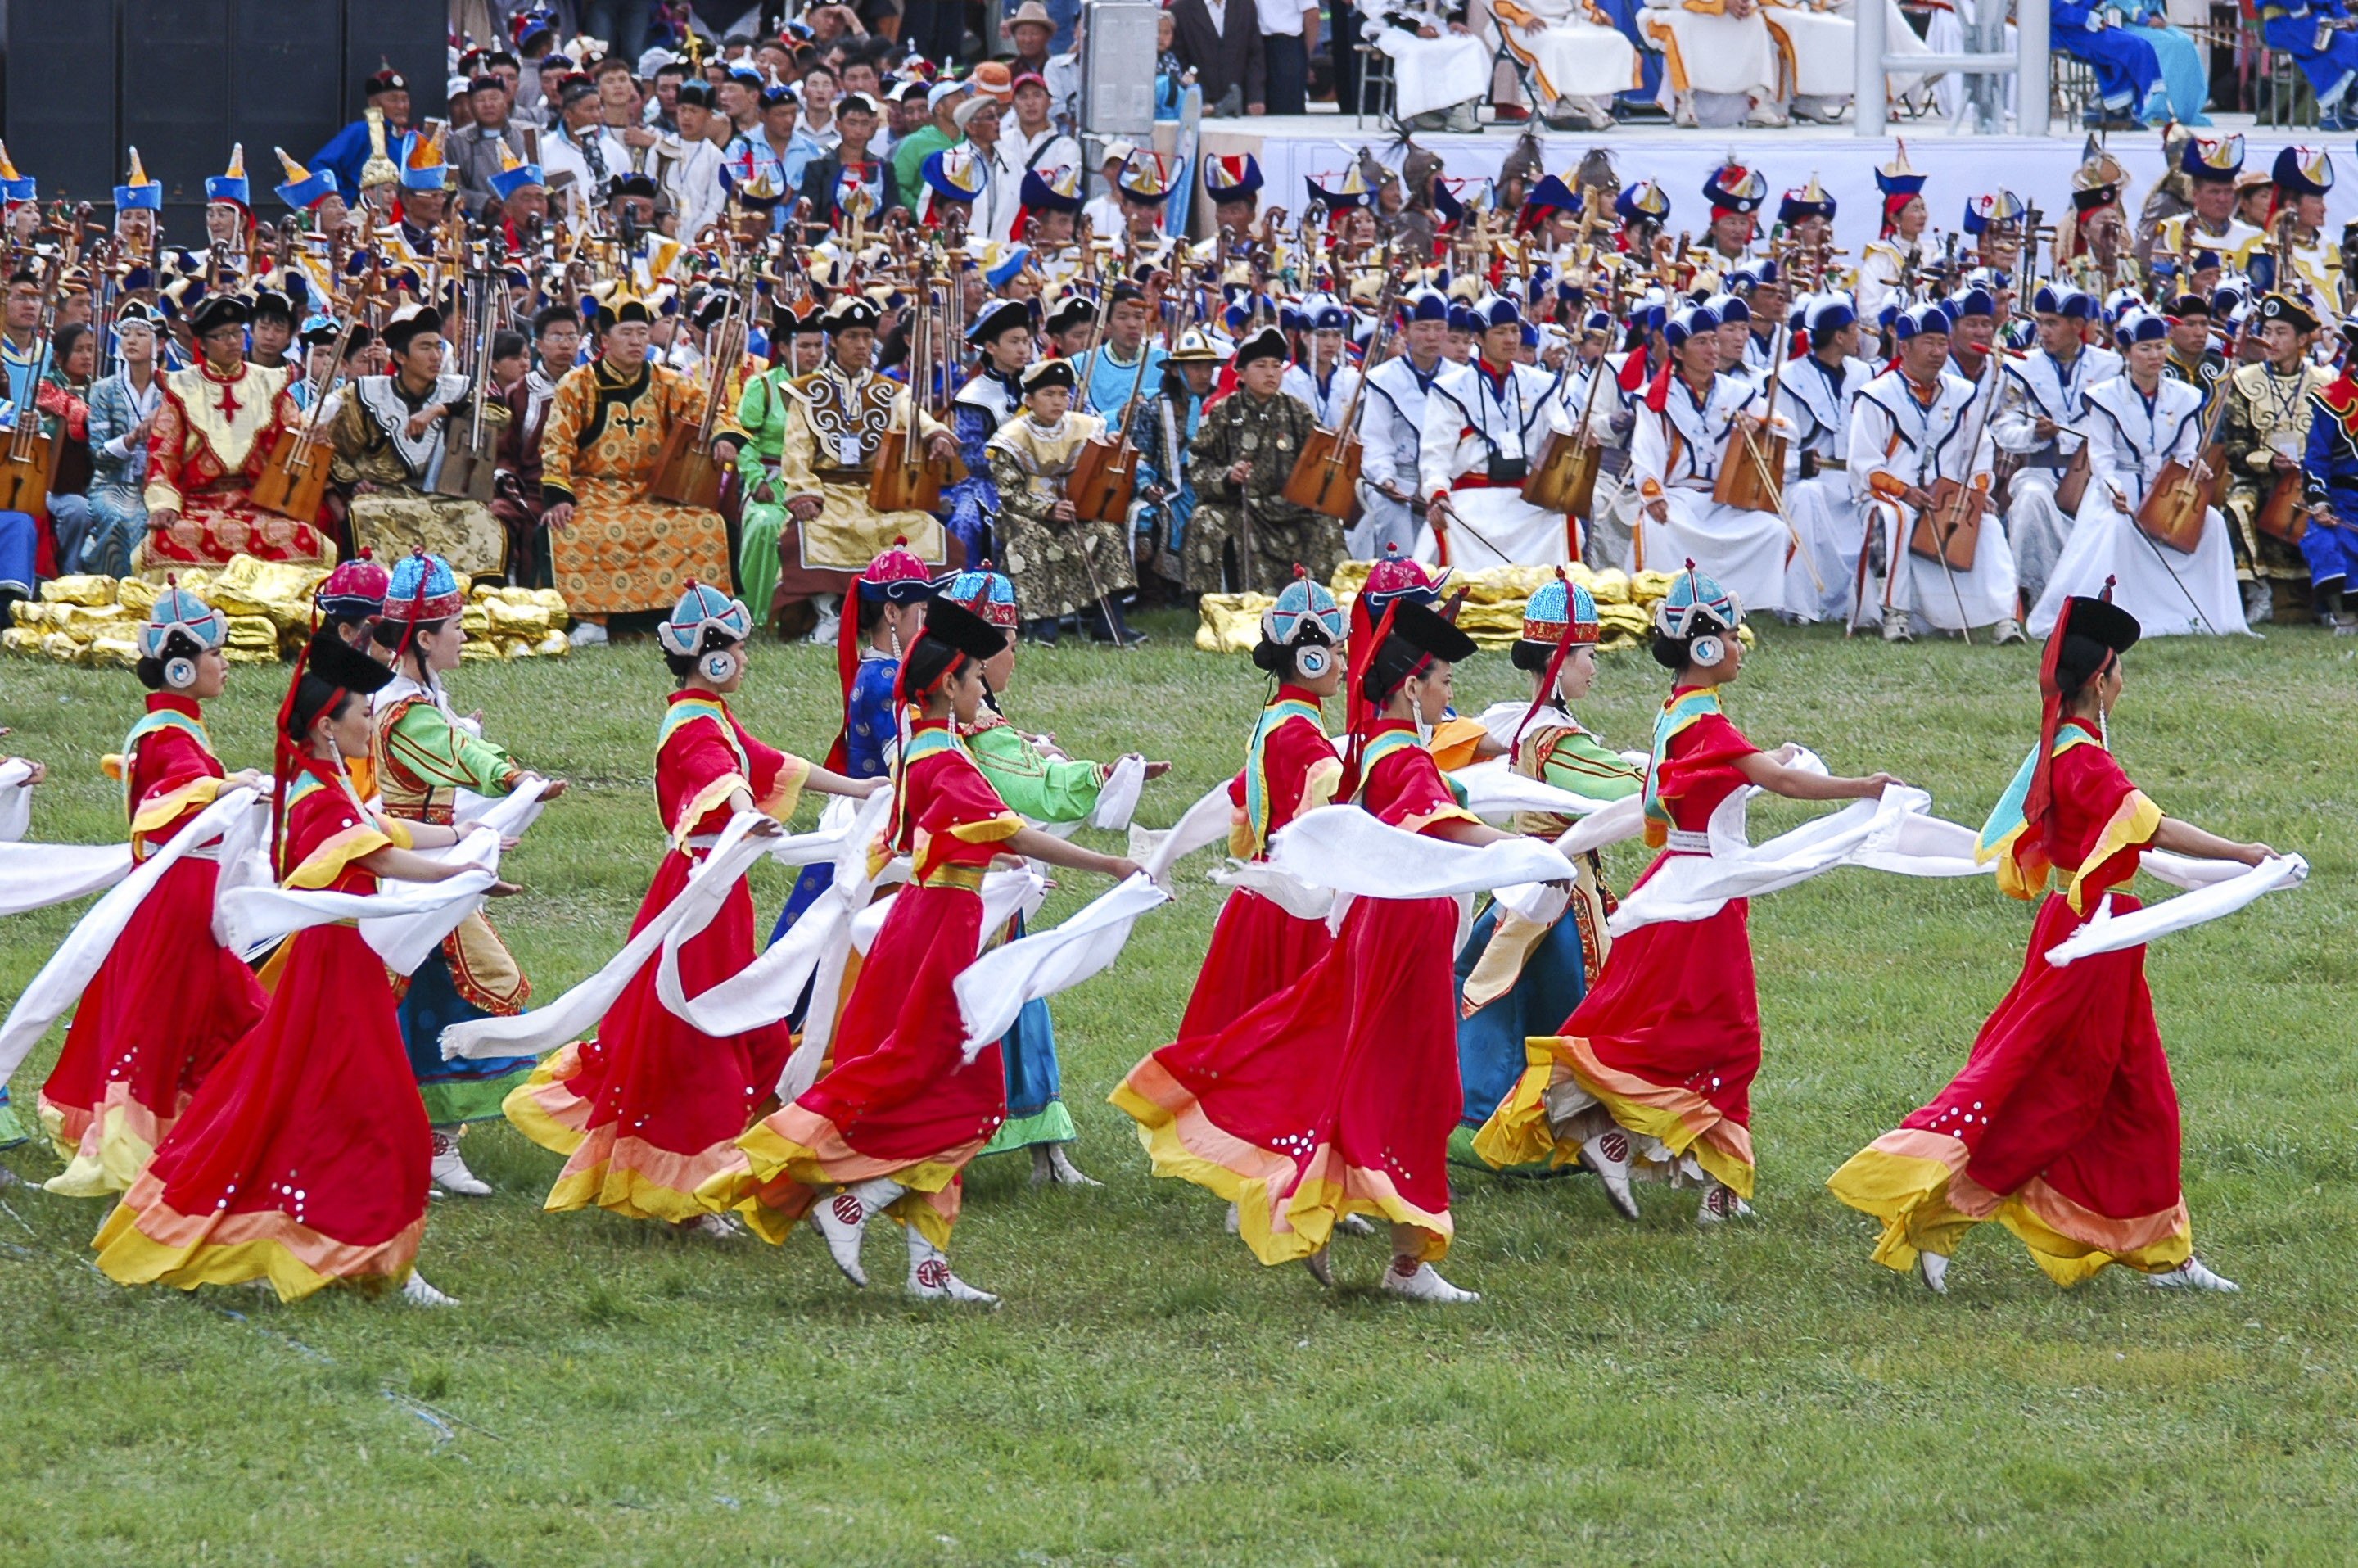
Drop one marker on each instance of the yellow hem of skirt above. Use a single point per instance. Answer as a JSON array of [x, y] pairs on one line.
[[774, 1158], [1518, 1131], [1517, 1134], [119, 1156], [1911, 1194], [129, 1257], [528, 1116], [1311, 1212]]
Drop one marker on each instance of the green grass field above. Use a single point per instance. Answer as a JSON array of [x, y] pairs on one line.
[[1150, 1395]]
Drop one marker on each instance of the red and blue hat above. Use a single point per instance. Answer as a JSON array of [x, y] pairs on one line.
[[1734, 189], [304, 189], [986, 591], [1695, 600], [2303, 171], [356, 588], [422, 588], [1560, 611], [1233, 177], [2212, 158]]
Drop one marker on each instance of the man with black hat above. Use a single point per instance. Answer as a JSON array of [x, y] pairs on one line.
[[1061, 563], [2264, 429], [1001, 336], [389, 434], [685, 163], [1245, 534], [580, 156], [346, 154], [827, 430], [615, 550], [213, 436]]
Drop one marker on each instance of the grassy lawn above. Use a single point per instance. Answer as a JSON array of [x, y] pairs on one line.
[[1643, 1393]]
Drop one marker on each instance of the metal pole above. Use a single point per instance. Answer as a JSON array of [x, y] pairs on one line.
[[1867, 80], [2033, 95]]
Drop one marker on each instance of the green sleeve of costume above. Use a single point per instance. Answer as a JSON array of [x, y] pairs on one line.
[[424, 744], [1582, 764], [1042, 788], [758, 413]]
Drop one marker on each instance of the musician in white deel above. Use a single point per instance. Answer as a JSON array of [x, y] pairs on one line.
[[2041, 419], [1486, 427], [1815, 394], [1327, 383], [1912, 427], [1391, 429], [2138, 422], [1676, 449]]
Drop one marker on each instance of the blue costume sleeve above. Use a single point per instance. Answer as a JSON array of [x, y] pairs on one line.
[[343, 157], [868, 724]]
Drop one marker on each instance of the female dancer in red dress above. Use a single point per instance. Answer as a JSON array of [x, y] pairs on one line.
[[1256, 948], [168, 1000], [893, 1121], [2063, 1126], [649, 1112], [1651, 1075], [302, 1157], [1336, 1096]]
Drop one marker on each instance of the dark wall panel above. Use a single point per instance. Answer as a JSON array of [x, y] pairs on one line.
[[62, 95], [285, 81], [183, 80], [176, 99]]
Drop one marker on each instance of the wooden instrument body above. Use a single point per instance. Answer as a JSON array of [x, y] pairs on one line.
[[686, 474], [2173, 511], [1564, 477], [1747, 482], [901, 483], [1104, 475], [2283, 516], [25, 472], [293, 480], [1950, 526], [2073, 484], [470, 458], [1325, 476]]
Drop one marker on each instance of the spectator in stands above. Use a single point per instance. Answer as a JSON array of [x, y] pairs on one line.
[[1033, 32], [1225, 50], [941, 131], [1288, 32], [386, 92], [474, 152]]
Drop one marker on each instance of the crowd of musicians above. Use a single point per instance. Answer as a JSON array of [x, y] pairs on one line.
[[636, 386]]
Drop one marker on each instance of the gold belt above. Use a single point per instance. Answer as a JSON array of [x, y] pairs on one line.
[[843, 476], [966, 877]]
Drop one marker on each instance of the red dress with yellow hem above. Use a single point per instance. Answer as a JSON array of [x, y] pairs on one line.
[[1256, 948], [1668, 1041], [168, 1002], [649, 1112], [2063, 1125], [901, 1100], [303, 1157], [1337, 1095]]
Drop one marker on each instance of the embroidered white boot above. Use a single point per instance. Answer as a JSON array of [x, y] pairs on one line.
[[1051, 1166], [930, 1278], [2192, 1275], [1607, 1154], [1932, 1268], [450, 1169], [1721, 1204], [1423, 1282], [842, 1219], [417, 1292]]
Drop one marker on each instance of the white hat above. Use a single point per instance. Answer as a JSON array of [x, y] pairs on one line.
[[654, 58], [943, 91], [1117, 152]]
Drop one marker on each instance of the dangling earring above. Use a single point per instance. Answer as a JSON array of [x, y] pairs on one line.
[[2104, 726]]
